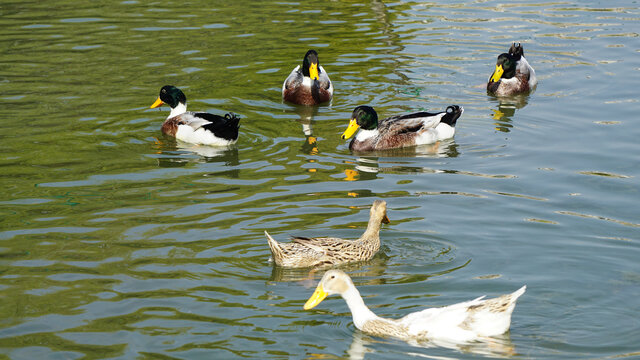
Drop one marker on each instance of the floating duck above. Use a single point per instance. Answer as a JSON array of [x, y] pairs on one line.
[[513, 74], [401, 130], [309, 84], [195, 127], [458, 323], [307, 252]]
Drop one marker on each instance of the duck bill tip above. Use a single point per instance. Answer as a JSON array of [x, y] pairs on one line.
[[156, 104], [316, 298]]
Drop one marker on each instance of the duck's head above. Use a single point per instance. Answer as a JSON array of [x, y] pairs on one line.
[[171, 96], [362, 117], [333, 282], [505, 68], [452, 114], [310, 65], [379, 211]]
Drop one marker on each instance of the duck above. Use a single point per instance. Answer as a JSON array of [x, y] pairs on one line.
[[513, 74], [196, 127], [458, 323], [398, 131], [308, 84], [304, 252]]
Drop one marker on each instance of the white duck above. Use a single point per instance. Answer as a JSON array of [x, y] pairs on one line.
[[462, 322]]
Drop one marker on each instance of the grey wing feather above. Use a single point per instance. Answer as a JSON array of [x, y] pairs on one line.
[[188, 118], [323, 78], [293, 79]]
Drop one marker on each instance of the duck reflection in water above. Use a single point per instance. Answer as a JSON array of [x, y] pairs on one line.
[[306, 114], [175, 153], [499, 346], [367, 167], [374, 269], [507, 107]]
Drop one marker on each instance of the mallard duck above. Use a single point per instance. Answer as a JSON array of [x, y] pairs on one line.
[[400, 131], [195, 127], [306, 252], [513, 74], [462, 322], [309, 84]]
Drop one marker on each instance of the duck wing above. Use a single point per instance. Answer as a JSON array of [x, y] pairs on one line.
[[411, 122], [225, 127], [324, 81], [323, 245], [406, 130], [444, 322], [294, 79]]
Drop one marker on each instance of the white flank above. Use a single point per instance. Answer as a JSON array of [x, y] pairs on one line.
[[200, 136], [428, 136], [445, 131], [324, 74], [284, 84], [533, 81]]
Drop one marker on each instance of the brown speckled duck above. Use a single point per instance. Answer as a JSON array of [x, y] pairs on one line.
[[307, 252], [195, 127], [309, 84], [419, 128], [459, 323], [513, 74]]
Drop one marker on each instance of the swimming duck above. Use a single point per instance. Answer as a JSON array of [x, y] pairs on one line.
[[399, 131], [309, 84], [195, 127], [307, 252], [462, 322], [513, 74]]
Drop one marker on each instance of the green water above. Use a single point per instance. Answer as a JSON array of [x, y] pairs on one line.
[[119, 243]]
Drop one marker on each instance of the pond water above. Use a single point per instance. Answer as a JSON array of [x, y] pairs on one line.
[[119, 243]]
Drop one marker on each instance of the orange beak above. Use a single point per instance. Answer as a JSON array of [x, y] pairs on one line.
[[157, 103]]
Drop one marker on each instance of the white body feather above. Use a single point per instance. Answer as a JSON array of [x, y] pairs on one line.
[[193, 132], [458, 323], [524, 67], [200, 136]]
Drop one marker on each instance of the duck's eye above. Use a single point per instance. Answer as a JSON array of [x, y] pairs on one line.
[[449, 110], [333, 276]]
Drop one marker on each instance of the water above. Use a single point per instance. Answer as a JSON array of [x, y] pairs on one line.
[[119, 243]]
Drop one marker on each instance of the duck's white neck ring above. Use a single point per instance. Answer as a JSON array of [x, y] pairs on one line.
[[178, 110], [366, 134]]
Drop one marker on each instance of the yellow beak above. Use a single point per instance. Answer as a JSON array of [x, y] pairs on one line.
[[313, 71], [353, 127], [497, 74], [157, 103], [385, 219], [316, 298]]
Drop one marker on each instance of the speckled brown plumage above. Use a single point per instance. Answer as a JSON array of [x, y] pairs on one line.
[[503, 88], [404, 130], [170, 126], [323, 251], [296, 93], [386, 327]]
